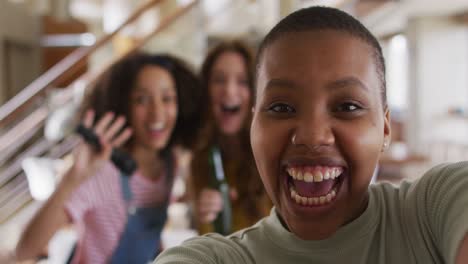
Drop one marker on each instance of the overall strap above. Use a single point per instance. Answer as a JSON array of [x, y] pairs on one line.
[[140, 241], [126, 191]]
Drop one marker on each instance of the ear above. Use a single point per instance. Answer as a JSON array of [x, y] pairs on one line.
[[387, 129]]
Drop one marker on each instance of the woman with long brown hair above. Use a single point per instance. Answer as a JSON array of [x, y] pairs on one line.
[[224, 156]]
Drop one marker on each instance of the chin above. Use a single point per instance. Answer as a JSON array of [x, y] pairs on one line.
[[157, 146], [230, 130]]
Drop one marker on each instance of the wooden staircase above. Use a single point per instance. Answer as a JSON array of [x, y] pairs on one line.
[[23, 117]]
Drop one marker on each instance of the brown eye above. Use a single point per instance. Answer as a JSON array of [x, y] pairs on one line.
[[281, 108], [243, 82], [219, 80], [348, 107], [142, 99], [169, 98]]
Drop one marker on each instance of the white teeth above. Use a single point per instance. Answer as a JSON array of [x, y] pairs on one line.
[[318, 175], [321, 200], [299, 175], [337, 172], [157, 126], [316, 200], [298, 198], [308, 177]]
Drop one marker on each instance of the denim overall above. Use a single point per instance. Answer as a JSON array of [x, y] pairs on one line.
[[140, 242]]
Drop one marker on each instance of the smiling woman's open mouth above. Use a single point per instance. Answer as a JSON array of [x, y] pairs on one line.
[[230, 109], [314, 185]]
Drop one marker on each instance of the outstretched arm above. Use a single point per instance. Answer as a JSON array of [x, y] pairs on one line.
[[48, 220], [463, 251], [87, 161]]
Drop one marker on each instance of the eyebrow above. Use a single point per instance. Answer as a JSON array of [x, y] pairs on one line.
[[336, 84], [141, 89], [280, 83], [347, 82]]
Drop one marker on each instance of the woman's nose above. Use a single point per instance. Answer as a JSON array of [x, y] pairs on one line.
[[157, 110], [313, 131], [231, 89]]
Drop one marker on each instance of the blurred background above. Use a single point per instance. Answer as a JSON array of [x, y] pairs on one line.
[[51, 50]]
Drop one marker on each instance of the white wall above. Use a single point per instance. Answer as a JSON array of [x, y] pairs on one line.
[[184, 38], [438, 49], [19, 48]]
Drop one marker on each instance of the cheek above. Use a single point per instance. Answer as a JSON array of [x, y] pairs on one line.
[[269, 140], [172, 112], [371, 139], [246, 95], [137, 114], [371, 142], [260, 151], [215, 93], [362, 147]]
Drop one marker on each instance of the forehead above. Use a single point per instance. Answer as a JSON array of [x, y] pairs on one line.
[[229, 60], [316, 57], [152, 78]]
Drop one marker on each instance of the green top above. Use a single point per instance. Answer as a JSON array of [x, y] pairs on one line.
[[420, 222]]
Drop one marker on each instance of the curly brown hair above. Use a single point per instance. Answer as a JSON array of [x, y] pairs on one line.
[[112, 90]]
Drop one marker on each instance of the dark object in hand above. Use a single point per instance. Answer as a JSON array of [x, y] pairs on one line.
[[122, 160]]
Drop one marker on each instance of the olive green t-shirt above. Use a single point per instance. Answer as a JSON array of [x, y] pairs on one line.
[[420, 222]]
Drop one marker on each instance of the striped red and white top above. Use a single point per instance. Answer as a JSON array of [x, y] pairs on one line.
[[98, 210]]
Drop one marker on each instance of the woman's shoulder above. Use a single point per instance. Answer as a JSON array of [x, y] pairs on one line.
[[437, 177], [210, 248], [447, 171], [243, 246], [443, 178], [438, 201], [440, 191], [441, 187]]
